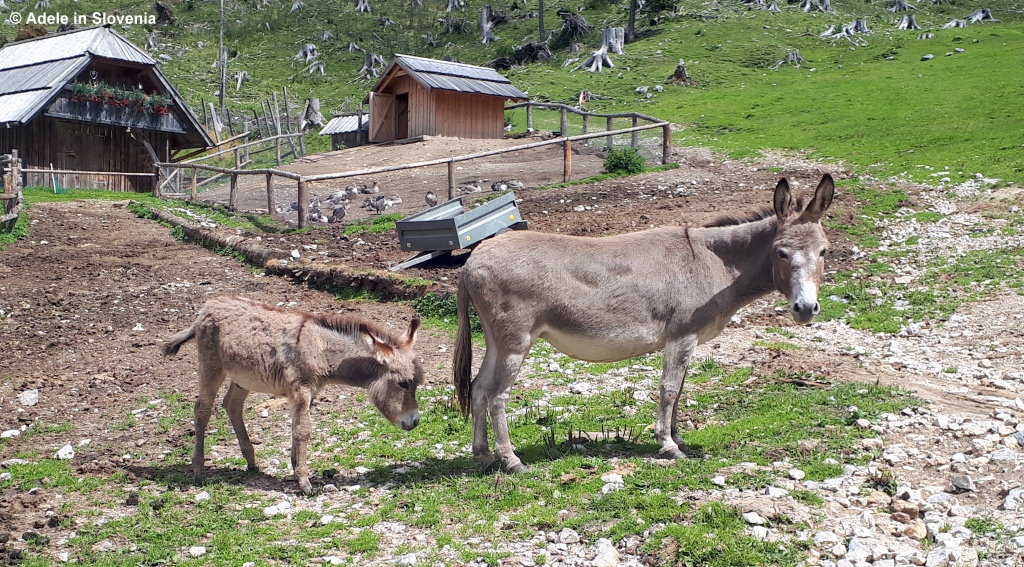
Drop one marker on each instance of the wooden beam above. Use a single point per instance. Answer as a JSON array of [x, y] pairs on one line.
[[567, 161]]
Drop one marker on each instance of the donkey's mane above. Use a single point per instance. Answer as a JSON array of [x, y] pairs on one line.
[[349, 325], [733, 220], [764, 213]]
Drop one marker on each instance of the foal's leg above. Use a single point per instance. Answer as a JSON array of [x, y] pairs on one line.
[[299, 401], [505, 373], [211, 376], [481, 385], [234, 403], [677, 358]]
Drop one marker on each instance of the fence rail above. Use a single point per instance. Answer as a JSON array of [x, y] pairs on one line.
[[303, 181]]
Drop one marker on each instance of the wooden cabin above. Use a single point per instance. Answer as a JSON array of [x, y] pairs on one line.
[[91, 101], [426, 97], [347, 130]]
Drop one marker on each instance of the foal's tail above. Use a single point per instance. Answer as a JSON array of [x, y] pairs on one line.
[[462, 366], [174, 343]]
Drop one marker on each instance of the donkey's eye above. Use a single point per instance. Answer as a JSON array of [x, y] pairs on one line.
[[824, 252], [783, 255], [403, 385]]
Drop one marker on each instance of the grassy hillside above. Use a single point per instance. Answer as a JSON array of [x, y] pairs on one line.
[[875, 105]]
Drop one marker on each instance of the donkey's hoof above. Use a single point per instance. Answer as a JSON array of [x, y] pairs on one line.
[[517, 468], [252, 468], [306, 487], [673, 453], [491, 467]]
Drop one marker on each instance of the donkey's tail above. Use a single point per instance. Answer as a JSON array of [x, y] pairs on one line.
[[462, 366], [174, 343]]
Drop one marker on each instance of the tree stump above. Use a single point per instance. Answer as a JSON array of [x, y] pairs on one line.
[[793, 57], [907, 23], [680, 76], [311, 115]]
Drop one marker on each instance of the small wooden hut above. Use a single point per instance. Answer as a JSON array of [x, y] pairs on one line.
[[426, 97], [347, 130], [91, 101]]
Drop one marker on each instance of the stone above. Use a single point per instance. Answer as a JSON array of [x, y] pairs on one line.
[[754, 518], [826, 538], [197, 551], [28, 398], [938, 557], [568, 535], [858, 551], [796, 474], [607, 555], [10, 433], [760, 532], [911, 510], [408, 560], [962, 482], [65, 453], [202, 496], [1014, 499], [916, 531]]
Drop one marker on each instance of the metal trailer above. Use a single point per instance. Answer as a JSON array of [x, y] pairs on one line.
[[447, 227]]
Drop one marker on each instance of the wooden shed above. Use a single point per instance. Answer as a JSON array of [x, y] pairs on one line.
[[347, 130], [426, 97], [91, 101]]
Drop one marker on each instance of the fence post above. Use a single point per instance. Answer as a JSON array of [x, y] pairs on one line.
[[586, 123], [192, 192], [156, 181], [271, 209], [529, 117], [277, 142], [666, 143], [451, 180], [233, 194], [567, 161], [611, 139], [302, 204], [564, 124], [636, 135]]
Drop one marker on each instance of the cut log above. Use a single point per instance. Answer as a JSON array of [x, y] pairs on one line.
[[614, 37], [575, 26], [597, 61], [308, 53], [825, 6], [311, 115], [907, 23], [955, 24], [315, 67], [297, 6], [901, 6], [793, 57], [981, 15], [774, 7], [808, 5], [452, 25], [486, 26], [372, 66]]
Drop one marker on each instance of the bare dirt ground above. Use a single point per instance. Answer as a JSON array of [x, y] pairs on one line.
[[88, 296]]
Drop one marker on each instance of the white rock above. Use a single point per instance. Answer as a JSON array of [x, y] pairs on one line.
[[858, 550], [29, 397], [760, 532], [938, 557], [10, 433], [197, 551], [754, 518], [408, 560], [613, 478], [568, 535], [296, 255], [607, 555], [826, 538], [1014, 500], [797, 474], [65, 453], [718, 480]]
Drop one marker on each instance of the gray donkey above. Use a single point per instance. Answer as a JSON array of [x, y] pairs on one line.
[[608, 299], [294, 354]]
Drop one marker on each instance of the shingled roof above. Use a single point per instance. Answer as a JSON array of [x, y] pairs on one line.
[[445, 75]]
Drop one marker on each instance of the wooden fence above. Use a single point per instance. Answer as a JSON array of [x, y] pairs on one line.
[[11, 199], [303, 181]]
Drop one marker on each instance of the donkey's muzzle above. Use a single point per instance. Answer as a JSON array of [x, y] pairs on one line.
[[409, 421], [804, 312]]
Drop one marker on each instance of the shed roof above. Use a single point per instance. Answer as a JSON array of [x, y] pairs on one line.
[[344, 124], [33, 72], [445, 75]]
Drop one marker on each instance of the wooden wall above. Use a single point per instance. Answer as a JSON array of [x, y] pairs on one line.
[[83, 147], [446, 113]]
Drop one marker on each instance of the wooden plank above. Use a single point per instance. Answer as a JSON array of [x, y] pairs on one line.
[[271, 202], [567, 161]]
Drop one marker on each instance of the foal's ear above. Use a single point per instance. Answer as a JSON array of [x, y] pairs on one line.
[[414, 326], [382, 351], [783, 200], [822, 199]]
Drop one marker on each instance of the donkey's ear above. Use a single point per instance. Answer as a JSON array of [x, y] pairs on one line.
[[783, 199], [382, 351], [414, 326], [822, 199]]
